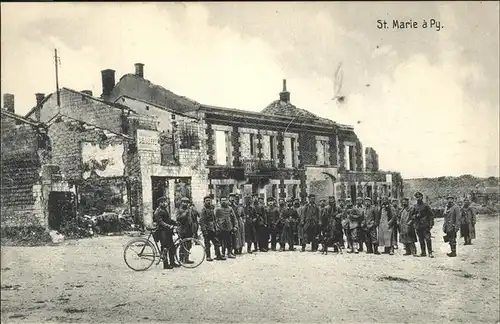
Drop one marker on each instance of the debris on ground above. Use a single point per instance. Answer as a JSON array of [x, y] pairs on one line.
[[391, 278], [56, 237]]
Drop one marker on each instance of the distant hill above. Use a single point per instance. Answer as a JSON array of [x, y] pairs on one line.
[[436, 188]]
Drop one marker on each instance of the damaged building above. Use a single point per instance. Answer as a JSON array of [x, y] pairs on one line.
[[138, 141]]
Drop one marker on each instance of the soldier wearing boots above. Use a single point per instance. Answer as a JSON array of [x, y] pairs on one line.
[[468, 223], [345, 222], [355, 217], [234, 221], [311, 224], [273, 216], [262, 226], [407, 235], [372, 220], [362, 226], [250, 224], [395, 229], [240, 235], [223, 216], [288, 217], [423, 220], [185, 218], [300, 205], [208, 228], [297, 227], [451, 225], [386, 225], [165, 229]]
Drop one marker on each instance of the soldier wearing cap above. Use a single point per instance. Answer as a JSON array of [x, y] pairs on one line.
[[240, 219], [288, 217], [223, 217], [300, 211], [311, 224], [362, 224], [386, 225], [395, 229], [451, 224], [209, 229], [468, 223], [372, 220], [262, 227], [273, 217], [423, 219], [165, 231], [250, 224], [184, 216], [407, 234], [346, 209]]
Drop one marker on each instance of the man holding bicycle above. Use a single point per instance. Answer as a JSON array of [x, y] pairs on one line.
[[184, 216], [165, 231]]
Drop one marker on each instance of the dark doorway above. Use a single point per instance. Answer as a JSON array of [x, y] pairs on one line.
[[353, 193], [352, 166], [160, 189], [62, 208], [369, 191]]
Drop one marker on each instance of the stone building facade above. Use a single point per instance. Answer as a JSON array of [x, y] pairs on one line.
[[138, 141]]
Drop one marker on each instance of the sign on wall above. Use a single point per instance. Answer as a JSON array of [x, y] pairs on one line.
[[147, 140], [105, 162]]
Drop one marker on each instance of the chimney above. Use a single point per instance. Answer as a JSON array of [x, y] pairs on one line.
[[284, 95], [8, 102], [139, 70], [87, 92], [39, 98], [108, 81]]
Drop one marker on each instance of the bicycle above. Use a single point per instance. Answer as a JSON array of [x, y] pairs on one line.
[[150, 252]]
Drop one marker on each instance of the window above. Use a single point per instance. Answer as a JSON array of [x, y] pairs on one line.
[[272, 147], [322, 149], [290, 149], [188, 136], [222, 148], [252, 145], [352, 167], [292, 146]]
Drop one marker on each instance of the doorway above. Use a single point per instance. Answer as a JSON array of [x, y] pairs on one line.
[[369, 191], [160, 189], [62, 208]]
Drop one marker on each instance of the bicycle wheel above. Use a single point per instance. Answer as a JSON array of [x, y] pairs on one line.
[[139, 254], [190, 252]]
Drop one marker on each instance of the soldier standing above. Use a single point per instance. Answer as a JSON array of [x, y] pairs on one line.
[[297, 227], [355, 217], [451, 225], [311, 224], [300, 210], [372, 220], [395, 229], [387, 220], [185, 218], [345, 222], [288, 217], [223, 216], [407, 234], [209, 230], [324, 226], [362, 226], [423, 219], [234, 222], [262, 232], [165, 232], [250, 224], [468, 223], [240, 217], [273, 217]]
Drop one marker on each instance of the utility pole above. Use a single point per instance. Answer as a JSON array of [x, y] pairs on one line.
[[56, 62]]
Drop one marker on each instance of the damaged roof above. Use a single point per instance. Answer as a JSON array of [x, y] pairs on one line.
[[137, 87], [20, 118]]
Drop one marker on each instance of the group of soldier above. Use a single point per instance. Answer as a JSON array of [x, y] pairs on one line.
[[234, 225]]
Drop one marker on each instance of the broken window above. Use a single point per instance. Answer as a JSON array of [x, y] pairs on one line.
[[322, 148], [167, 148], [188, 135], [223, 147]]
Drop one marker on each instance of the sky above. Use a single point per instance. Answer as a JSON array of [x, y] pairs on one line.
[[426, 100]]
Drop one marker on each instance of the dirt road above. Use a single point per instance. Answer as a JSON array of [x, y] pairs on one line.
[[87, 281]]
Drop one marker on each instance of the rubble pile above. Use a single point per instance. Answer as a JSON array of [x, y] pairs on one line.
[[105, 224], [25, 236]]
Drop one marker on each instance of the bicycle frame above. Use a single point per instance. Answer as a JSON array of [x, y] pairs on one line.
[[158, 250]]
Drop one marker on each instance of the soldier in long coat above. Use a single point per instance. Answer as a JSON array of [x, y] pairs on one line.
[[345, 222], [250, 215], [311, 224], [423, 219], [262, 225], [224, 217], [395, 229], [362, 226], [451, 225], [371, 219], [185, 218], [234, 221], [208, 228], [165, 232], [240, 234], [298, 233], [273, 217], [355, 217], [288, 217], [468, 223], [386, 225], [299, 205], [407, 234]]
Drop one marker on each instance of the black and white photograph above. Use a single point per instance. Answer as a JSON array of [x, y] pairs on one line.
[[250, 162]]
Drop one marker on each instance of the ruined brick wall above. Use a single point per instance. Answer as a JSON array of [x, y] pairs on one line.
[[307, 149], [20, 167], [371, 157]]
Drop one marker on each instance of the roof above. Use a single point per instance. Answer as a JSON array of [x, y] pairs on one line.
[[32, 110], [139, 88], [20, 118], [155, 105], [282, 108]]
